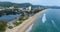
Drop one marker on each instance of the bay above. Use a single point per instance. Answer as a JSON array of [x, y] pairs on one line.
[[47, 22]]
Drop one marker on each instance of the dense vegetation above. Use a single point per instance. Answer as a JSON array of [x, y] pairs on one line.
[[3, 25], [18, 5], [9, 4], [8, 12]]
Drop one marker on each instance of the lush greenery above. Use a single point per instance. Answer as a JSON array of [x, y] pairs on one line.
[[10, 27], [18, 5], [20, 20], [17, 23], [9, 4], [8, 12], [3, 25]]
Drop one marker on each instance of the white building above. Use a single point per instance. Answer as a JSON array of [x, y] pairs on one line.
[[11, 7], [28, 8]]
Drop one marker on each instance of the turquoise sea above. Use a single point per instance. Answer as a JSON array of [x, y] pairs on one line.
[[47, 22]]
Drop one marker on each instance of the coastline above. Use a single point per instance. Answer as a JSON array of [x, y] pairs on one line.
[[29, 28], [24, 26], [29, 22]]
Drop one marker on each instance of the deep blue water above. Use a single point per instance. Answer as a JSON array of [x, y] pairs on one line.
[[48, 21], [9, 17]]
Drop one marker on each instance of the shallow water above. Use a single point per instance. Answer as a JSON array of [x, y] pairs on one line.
[[9, 17]]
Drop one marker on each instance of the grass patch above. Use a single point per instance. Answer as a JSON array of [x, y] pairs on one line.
[[3, 25], [10, 27], [18, 23], [23, 18]]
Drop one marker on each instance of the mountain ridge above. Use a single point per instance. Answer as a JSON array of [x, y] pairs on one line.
[[18, 5]]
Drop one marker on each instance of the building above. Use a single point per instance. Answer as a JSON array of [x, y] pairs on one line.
[[11, 7], [28, 8]]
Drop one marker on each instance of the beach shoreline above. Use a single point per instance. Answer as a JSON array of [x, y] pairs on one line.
[[29, 28], [24, 26], [30, 21]]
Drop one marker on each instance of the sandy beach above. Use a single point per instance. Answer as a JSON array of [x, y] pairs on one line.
[[26, 23]]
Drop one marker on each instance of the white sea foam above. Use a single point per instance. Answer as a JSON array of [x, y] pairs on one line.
[[28, 30], [44, 18]]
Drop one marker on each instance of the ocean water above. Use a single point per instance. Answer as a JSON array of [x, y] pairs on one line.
[[47, 22], [29, 29]]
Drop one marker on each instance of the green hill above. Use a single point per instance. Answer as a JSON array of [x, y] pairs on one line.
[[9, 4]]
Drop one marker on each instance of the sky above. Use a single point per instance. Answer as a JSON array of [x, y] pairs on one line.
[[37, 2]]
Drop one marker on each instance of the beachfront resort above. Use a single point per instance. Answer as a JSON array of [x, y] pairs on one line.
[[13, 19], [29, 16]]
